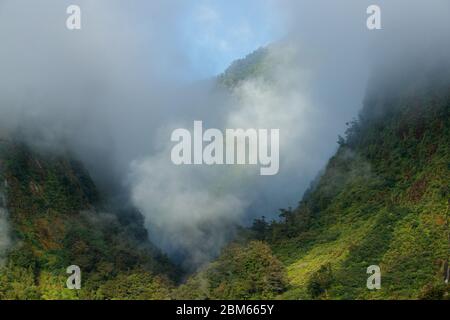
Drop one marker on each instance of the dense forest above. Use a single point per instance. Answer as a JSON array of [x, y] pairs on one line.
[[383, 199], [58, 219]]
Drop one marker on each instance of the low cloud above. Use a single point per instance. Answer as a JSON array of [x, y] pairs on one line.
[[113, 92], [192, 211]]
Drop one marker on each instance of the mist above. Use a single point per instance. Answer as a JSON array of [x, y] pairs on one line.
[[5, 238], [113, 92]]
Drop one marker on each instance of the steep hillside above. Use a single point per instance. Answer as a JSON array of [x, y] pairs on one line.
[[254, 64], [55, 218], [383, 199]]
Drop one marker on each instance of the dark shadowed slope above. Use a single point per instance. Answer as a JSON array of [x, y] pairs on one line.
[[56, 219]]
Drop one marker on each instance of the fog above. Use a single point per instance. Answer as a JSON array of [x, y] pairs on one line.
[[5, 237], [113, 92]]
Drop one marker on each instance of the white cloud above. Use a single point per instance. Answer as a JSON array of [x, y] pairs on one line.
[[207, 16]]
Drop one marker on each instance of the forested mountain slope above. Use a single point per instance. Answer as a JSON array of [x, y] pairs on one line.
[[383, 199], [56, 218]]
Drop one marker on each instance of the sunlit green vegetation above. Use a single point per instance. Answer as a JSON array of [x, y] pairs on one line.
[[383, 199]]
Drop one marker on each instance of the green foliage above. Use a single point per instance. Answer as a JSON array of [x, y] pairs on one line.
[[57, 219], [393, 170], [17, 283], [382, 199], [241, 272], [320, 281], [437, 291], [253, 65], [136, 285]]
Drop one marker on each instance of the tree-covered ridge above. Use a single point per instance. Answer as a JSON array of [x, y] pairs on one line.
[[57, 219], [254, 64], [243, 271], [382, 200]]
